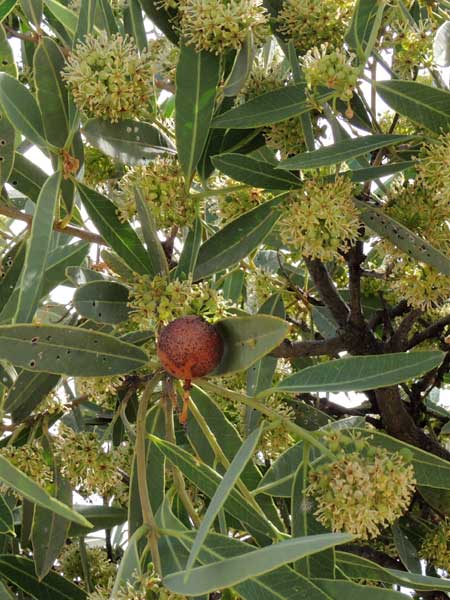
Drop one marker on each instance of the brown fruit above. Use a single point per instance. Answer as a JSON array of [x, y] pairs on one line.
[[189, 347]]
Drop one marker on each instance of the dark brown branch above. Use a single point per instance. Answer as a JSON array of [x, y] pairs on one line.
[[354, 260], [328, 293], [329, 347], [398, 340], [89, 236], [396, 311], [428, 333]]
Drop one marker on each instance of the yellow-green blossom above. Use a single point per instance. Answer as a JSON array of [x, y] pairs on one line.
[[433, 166], [436, 546], [101, 570]]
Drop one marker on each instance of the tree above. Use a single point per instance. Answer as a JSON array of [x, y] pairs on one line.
[[282, 171]]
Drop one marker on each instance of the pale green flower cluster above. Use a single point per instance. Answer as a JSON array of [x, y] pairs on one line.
[[164, 57], [161, 183], [436, 546], [327, 67], [101, 570], [109, 79], [29, 458], [363, 490], [320, 220], [413, 49], [156, 301], [310, 22], [221, 25]]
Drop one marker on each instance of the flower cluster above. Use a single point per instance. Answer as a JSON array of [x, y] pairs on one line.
[[86, 464], [141, 587], [320, 220], [363, 490], [101, 570], [109, 79], [420, 285], [29, 458], [98, 168], [413, 48], [233, 204], [308, 22], [220, 25], [326, 67], [436, 546], [434, 167], [157, 301], [101, 390], [161, 183], [275, 441], [164, 57]]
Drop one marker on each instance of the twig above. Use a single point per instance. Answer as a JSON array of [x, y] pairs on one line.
[[329, 294], [329, 347]]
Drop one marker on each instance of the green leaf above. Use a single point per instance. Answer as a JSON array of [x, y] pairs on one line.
[[68, 350], [38, 246], [6, 517], [6, 7], [222, 492], [79, 276], [7, 149], [441, 45], [364, 27], [429, 106], [372, 173], [342, 151], [155, 251], [21, 109], [27, 177], [7, 64], [272, 107], [49, 531], [20, 572], [101, 517], [48, 62], [189, 254], [6, 593], [402, 237], [406, 549], [231, 571], [134, 23], [339, 589], [241, 67], [86, 19], [102, 301], [129, 142], [357, 567], [163, 19], [277, 481], [120, 236], [207, 480], [247, 339], [13, 261], [257, 173], [359, 373], [130, 564], [33, 10], [27, 392], [65, 16], [236, 240], [30, 490], [197, 79]]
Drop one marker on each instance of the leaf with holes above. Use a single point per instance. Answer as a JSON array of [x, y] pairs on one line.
[[102, 301], [66, 350], [7, 64], [27, 177], [27, 392], [403, 238], [7, 148]]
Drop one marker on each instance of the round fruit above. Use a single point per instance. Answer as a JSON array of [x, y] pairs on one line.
[[189, 347]]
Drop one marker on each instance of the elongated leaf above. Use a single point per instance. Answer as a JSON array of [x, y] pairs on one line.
[[342, 151], [21, 109], [65, 16], [366, 21], [338, 589], [7, 149], [268, 108], [236, 240], [406, 549], [82, 275], [129, 142], [372, 173], [33, 10], [234, 570], [5, 592], [359, 373], [48, 62], [101, 517], [6, 517], [67, 350], [441, 45], [357, 567], [130, 565], [27, 392], [196, 83], [429, 106], [155, 251], [255, 172], [30, 490], [49, 530], [121, 237], [37, 251], [403, 238], [278, 480], [6, 7], [86, 18], [247, 339], [161, 18], [134, 23], [207, 480], [13, 263], [27, 177], [20, 572], [188, 258], [222, 492], [102, 301], [241, 67]]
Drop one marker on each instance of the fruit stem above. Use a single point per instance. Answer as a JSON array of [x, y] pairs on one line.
[[141, 463]]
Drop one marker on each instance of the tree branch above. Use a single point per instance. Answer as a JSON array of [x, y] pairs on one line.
[[329, 294], [89, 236], [329, 347], [430, 332]]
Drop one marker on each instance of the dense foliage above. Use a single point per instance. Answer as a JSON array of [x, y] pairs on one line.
[[282, 170]]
